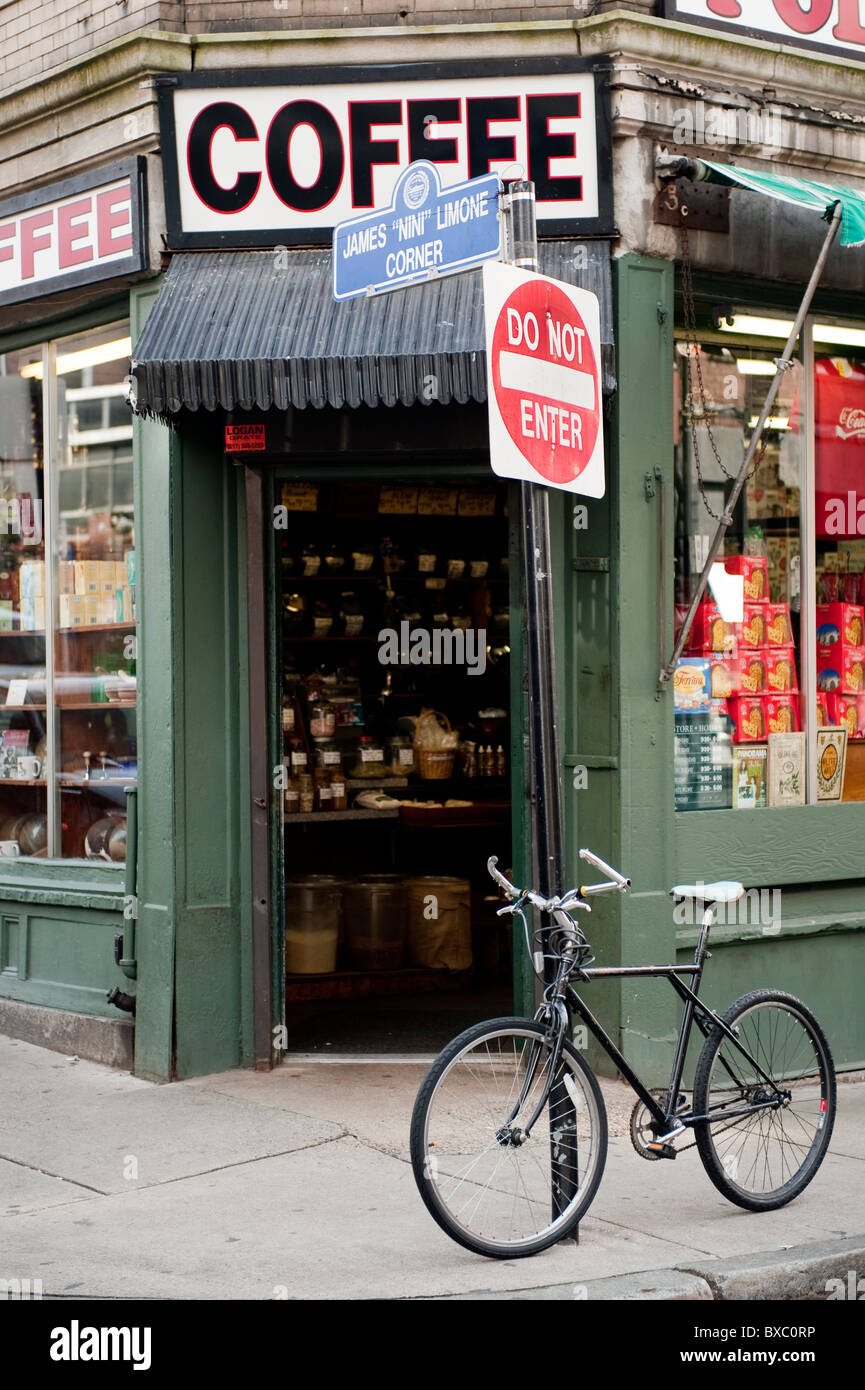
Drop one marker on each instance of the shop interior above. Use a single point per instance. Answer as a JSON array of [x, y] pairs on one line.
[[394, 617]]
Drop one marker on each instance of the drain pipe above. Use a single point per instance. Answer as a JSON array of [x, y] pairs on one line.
[[124, 941]]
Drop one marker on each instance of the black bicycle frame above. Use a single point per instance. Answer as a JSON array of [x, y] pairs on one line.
[[695, 1010]]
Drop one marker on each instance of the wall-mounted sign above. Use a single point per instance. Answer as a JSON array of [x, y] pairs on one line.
[[279, 157], [91, 227], [822, 24]]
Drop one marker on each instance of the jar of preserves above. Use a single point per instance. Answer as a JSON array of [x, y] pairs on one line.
[[369, 758], [306, 789], [291, 798], [399, 756], [322, 719], [339, 796]]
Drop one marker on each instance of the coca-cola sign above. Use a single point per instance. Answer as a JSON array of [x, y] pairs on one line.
[[822, 24]]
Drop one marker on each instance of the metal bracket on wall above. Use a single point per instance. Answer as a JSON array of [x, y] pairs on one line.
[[703, 206]]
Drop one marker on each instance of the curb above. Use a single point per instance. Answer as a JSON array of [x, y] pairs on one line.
[[800, 1272]]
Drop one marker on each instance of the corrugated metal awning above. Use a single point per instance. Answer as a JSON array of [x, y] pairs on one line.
[[260, 330]]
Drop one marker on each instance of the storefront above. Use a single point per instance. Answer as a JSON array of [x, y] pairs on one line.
[[303, 469], [383, 557]]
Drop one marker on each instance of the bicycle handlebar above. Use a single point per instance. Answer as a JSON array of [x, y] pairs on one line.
[[571, 899]]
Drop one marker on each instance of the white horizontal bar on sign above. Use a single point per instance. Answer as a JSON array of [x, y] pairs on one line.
[[537, 377]]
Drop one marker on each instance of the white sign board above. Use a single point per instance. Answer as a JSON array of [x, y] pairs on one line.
[[821, 24], [283, 156], [543, 343]]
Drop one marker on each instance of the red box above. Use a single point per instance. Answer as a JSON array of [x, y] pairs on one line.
[[709, 632], [824, 717], [757, 716], [779, 629], [780, 670], [840, 622], [754, 627], [841, 669], [755, 572], [848, 712], [737, 674]]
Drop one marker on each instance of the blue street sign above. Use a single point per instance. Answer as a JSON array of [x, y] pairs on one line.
[[427, 231]]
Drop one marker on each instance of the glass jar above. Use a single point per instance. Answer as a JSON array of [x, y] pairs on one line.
[[306, 790], [323, 792], [339, 795], [369, 758], [322, 719], [292, 798], [327, 755], [399, 756], [297, 757]]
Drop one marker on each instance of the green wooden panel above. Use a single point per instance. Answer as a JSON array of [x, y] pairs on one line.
[[60, 958], [640, 563], [796, 844], [207, 760], [156, 455]]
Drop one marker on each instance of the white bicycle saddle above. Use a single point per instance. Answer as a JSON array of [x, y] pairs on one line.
[[724, 892]]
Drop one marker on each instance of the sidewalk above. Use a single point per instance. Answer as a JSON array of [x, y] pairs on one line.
[[297, 1183]]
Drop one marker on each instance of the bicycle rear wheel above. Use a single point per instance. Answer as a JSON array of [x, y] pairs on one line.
[[758, 1153], [492, 1196]]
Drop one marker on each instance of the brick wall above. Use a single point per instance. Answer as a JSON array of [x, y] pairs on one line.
[[38, 35]]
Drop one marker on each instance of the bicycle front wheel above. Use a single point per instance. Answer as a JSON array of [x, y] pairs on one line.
[[495, 1197], [770, 1124]]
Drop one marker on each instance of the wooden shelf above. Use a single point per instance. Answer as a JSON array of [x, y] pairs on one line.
[[361, 813], [367, 784], [97, 782], [95, 627], [20, 707], [22, 632], [96, 704], [22, 782]]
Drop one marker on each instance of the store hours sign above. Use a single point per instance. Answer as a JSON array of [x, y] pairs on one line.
[[822, 24], [280, 157]]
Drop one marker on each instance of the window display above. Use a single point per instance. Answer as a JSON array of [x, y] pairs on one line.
[[67, 567]]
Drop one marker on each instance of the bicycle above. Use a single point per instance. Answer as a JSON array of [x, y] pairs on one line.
[[509, 1129]]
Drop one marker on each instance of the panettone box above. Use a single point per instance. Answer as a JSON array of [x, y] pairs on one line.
[[780, 669], [848, 712], [709, 632], [779, 629], [737, 674], [841, 668], [756, 716], [840, 622], [754, 569], [823, 717], [752, 629]]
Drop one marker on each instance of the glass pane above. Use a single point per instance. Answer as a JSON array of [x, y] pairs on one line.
[[738, 721], [23, 746], [94, 568], [839, 477]]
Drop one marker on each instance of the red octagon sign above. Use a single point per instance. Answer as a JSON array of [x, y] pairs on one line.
[[544, 376]]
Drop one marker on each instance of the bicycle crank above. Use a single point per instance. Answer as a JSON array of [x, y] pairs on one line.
[[643, 1137]]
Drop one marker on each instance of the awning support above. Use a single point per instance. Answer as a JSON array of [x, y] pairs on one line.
[[783, 364]]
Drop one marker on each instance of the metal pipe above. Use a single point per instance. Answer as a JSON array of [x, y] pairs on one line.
[[783, 364]]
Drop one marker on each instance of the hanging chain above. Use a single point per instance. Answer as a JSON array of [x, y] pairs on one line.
[[695, 361]]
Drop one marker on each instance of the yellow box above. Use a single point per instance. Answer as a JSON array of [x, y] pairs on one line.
[[87, 576], [71, 610], [66, 577], [91, 609]]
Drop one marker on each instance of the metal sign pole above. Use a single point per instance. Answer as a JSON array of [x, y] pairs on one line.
[[546, 791]]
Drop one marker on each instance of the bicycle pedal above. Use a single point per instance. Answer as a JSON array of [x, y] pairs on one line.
[[662, 1150]]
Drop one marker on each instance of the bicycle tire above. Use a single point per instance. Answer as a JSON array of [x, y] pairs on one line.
[[765, 1145], [454, 1101]]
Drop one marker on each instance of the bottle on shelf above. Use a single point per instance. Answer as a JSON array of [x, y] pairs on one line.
[[501, 762]]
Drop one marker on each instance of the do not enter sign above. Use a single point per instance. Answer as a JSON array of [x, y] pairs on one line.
[[544, 380]]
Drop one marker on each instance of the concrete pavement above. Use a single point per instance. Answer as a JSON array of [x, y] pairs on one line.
[[297, 1184]]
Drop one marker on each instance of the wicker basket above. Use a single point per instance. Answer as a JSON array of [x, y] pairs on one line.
[[434, 764]]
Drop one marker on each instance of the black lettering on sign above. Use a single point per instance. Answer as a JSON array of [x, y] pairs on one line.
[[422, 117], [304, 197], [544, 146], [483, 147], [220, 115], [366, 153]]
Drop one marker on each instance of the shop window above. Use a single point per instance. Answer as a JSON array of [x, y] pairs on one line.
[[67, 599], [738, 705], [770, 700]]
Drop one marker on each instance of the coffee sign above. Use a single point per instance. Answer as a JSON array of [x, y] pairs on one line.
[[820, 24], [280, 157]]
